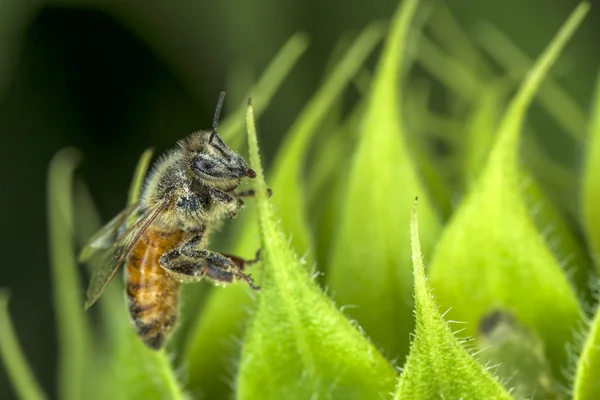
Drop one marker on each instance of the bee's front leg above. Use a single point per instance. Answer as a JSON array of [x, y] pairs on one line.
[[227, 203], [251, 193]]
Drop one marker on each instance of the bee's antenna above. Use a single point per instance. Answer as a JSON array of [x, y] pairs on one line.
[[216, 117]]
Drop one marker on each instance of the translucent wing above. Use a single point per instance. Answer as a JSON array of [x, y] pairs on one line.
[[112, 258], [108, 234]]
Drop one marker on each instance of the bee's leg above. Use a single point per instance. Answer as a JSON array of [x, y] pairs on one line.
[[192, 264], [251, 193], [242, 262], [189, 249], [229, 202]]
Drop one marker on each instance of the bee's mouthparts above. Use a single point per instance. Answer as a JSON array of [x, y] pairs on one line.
[[250, 173]]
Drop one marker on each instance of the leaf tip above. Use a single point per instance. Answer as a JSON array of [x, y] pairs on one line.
[[414, 233], [4, 296]]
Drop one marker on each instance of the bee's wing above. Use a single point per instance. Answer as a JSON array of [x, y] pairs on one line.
[[108, 234], [111, 259]]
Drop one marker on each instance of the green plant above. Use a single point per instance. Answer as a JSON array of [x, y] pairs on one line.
[[500, 278]]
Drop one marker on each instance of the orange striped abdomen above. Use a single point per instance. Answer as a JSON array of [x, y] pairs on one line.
[[152, 294]]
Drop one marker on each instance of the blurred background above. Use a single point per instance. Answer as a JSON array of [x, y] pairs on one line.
[[113, 77]]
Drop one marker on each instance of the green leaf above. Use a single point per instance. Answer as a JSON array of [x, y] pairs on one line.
[[491, 255], [287, 181], [587, 384], [438, 366], [480, 134], [212, 348], [370, 267], [23, 381], [139, 176], [74, 336], [299, 345], [590, 196]]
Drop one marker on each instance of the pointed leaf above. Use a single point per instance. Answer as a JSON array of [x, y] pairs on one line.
[[491, 255], [438, 366], [480, 131], [21, 376], [73, 330], [299, 345], [591, 183], [370, 267]]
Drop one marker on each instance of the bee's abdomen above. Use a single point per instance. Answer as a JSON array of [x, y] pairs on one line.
[[151, 293]]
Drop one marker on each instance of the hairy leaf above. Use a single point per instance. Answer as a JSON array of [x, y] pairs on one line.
[[438, 366], [299, 345], [491, 255], [370, 267]]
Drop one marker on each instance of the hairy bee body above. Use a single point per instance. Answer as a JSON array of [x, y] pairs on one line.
[[162, 238], [152, 295], [152, 290]]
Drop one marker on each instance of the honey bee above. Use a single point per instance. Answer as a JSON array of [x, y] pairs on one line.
[[162, 238]]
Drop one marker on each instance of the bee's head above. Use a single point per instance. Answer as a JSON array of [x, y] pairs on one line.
[[211, 161]]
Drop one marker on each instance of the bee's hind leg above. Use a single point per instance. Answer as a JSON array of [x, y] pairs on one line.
[[189, 264], [189, 249]]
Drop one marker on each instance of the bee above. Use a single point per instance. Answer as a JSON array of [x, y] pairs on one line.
[[162, 238]]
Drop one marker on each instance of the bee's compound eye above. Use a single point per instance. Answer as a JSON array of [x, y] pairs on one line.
[[204, 166]]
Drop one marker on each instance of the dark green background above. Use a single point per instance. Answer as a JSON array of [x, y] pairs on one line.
[[115, 77]]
